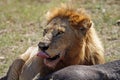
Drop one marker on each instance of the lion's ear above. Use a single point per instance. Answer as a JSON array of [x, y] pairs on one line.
[[85, 25]]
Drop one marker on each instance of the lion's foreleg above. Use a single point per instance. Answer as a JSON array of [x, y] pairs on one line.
[[16, 67]]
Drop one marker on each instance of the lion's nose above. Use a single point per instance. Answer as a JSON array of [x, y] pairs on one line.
[[43, 46]]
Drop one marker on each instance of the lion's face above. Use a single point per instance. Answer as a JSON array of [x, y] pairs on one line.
[[57, 38], [64, 36]]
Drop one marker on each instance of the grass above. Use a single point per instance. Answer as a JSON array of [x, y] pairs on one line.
[[20, 25]]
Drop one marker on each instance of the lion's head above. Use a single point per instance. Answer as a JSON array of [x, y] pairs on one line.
[[69, 39]]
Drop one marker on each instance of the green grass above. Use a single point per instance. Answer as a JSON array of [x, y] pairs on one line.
[[20, 25]]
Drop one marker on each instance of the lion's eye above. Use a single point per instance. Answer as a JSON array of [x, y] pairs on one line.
[[58, 33], [45, 31]]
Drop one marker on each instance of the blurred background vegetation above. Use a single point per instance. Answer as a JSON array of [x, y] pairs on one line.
[[20, 25]]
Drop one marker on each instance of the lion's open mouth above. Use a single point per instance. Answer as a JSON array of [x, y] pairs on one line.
[[54, 58], [50, 61]]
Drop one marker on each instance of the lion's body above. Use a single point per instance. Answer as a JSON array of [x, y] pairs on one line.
[[83, 48]]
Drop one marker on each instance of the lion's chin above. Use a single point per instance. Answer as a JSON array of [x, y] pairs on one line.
[[51, 63]]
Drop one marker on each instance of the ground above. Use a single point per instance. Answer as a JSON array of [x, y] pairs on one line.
[[20, 25]]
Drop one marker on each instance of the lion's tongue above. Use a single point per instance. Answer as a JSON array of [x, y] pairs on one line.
[[42, 54]]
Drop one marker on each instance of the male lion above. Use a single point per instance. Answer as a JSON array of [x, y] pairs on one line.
[[69, 39]]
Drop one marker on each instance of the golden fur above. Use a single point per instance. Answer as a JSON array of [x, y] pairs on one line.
[[78, 18], [75, 16], [85, 49]]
